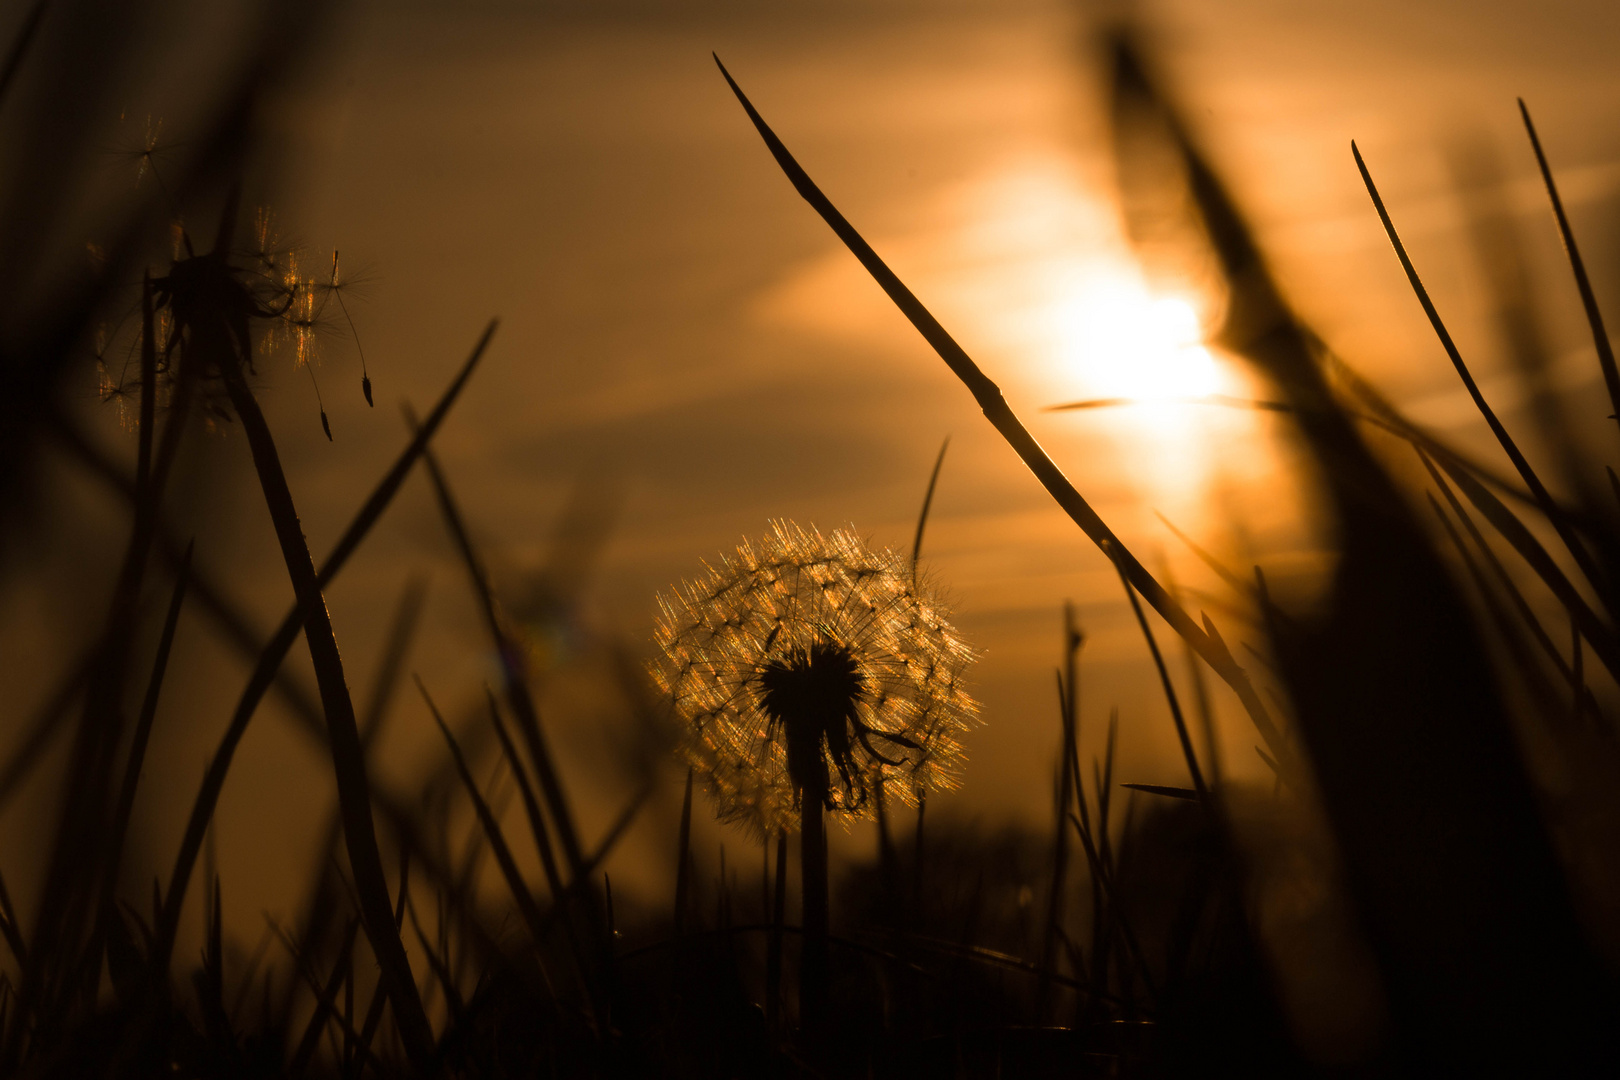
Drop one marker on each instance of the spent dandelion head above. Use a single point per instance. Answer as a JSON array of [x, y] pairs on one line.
[[812, 667]]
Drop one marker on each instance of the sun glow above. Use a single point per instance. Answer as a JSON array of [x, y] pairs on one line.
[[1124, 342]]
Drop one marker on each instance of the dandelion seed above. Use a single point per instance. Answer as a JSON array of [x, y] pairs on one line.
[[811, 667]]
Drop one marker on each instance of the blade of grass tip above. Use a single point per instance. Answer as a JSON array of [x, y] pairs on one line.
[[348, 758], [1187, 794], [492, 828], [1170, 695], [683, 858], [989, 398], [1544, 500], [275, 651], [324, 998], [1510, 528], [928, 501], [512, 668], [1594, 317]]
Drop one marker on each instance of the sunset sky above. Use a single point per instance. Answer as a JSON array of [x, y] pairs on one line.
[[682, 339]]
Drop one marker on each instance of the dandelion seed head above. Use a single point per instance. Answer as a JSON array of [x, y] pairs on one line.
[[806, 662]]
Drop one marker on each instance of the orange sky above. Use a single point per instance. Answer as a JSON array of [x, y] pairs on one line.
[[680, 332]]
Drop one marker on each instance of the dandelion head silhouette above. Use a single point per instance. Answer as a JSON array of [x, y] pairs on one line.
[[810, 666]]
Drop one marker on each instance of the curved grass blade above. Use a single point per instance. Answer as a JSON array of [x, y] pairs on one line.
[[1169, 691], [1514, 531], [492, 828], [270, 661], [1594, 317], [989, 398], [1544, 500], [928, 501]]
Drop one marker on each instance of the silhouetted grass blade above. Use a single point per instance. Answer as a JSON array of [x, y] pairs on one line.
[[928, 501], [1187, 794], [989, 398], [1544, 500], [1594, 317]]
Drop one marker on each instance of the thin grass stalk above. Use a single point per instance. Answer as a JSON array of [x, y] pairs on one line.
[[1068, 718], [125, 804], [928, 502], [374, 1011], [348, 758], [1544, 500], [69, 886], [1384, 415], [325, 996], [317, 910], [1116, 911], [438, 965], [1594, 317], [1170, 696], [1506, 628], [497, 841], [275, 651], [1206, 707], [531, 806], [1598, 633], [995, 408], [1521, 606], [513, 669]]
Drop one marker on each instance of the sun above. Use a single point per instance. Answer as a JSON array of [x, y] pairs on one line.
[[1122, 341]]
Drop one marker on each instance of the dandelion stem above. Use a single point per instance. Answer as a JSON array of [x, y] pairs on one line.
[[814, 960]]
